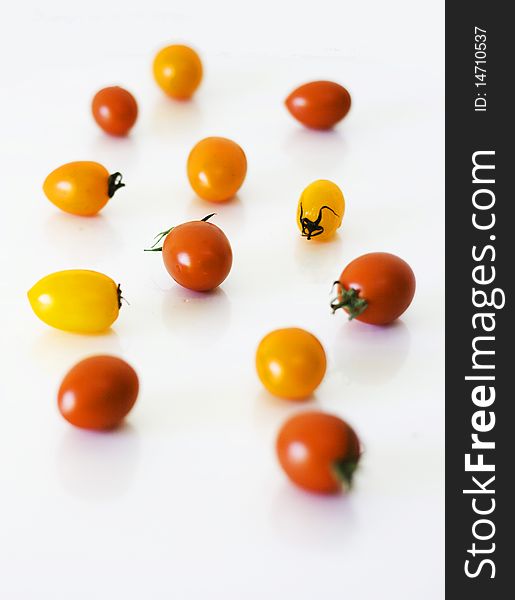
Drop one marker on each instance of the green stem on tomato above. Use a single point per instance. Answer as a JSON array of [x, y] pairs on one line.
[[163, 234], [350, 300], [343, 469]]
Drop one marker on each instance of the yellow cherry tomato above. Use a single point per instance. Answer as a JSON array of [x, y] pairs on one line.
[[76, 300], [178, 71], [82, 187], [291, 363], [216, 168], [320, 210]]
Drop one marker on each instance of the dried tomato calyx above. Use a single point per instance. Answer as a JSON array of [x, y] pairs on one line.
[[114, 183], [349, 300]]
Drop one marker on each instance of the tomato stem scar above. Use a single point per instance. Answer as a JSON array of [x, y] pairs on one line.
[[114, 183], [310, 228], [343, 469], [348, 299]]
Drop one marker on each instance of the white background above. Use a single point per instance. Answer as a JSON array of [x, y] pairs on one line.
[[187, 500]]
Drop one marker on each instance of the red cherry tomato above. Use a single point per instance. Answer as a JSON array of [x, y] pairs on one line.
[[318, 451], [197, 254], [115, 110], [319, 104], [98, 392], [375, 288]]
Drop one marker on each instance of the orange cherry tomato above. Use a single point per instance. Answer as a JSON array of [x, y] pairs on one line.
[[290, 363], [319, 104], [318, 452], [197, 254], [375, 288], [98, 392], [115, 110], [81, 188], [178, 71], [216, 168]]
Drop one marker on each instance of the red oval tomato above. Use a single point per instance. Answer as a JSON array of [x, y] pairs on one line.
[[319, 104], [318, 451], [197, 255], [98, 392], [375, 288], [115, 110]]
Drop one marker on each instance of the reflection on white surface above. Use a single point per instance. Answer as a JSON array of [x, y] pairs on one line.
[[56, 351], [319, 522], [204, 315], [320, 260], [316, 151], [170, 118], [97, 465], [370, 355]]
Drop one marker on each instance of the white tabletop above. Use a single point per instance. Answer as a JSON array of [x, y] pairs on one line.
[[187, 501]]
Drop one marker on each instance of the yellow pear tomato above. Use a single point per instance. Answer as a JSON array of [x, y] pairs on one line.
[[82, 187], [320, 210], [81, 301]]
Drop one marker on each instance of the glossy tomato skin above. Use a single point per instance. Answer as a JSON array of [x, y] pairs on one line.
[[385, 281], [290, 363], [80, 188], [98, 392], [320, 210], [319, 104], [197, 255], [216, 168], [318, 452], [115, 110], [76, 300], [178, 71]]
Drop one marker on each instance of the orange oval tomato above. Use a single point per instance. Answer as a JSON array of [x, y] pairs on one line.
[[81, 188], [375, 288], [291, 363], [98, 392], [319, 104], [178, 71], [318, 452], [115, 110], [197, 254], [216, 168]]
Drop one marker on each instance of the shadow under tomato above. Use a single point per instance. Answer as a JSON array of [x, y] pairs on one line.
[[369, 354], [199, 315], [98, 465], [116, 152]]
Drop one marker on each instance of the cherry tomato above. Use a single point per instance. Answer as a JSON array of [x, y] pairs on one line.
[[115, 110], [81, 188], [216, 168], [319, 104], [291, 363], [197, 254], [318, 452], [76, 300], [178, 71], [375, 288], [320, 210], [98, 392]]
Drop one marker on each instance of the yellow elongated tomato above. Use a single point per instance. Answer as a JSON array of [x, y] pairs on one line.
[[291, 363], [81, 301], [216, 168], [82, 187], [320, 210], [178, 71]]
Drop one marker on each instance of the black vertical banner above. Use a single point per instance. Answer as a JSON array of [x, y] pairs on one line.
[[480, 268]]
